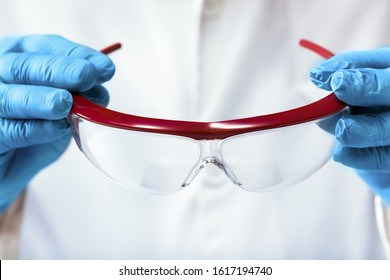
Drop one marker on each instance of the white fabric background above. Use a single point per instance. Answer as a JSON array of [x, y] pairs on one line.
[[189, 60]]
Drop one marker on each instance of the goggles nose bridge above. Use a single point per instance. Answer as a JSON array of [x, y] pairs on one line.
[[210, 149], [211, 155]]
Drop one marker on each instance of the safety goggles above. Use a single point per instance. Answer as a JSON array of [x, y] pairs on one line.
[[160, 156]]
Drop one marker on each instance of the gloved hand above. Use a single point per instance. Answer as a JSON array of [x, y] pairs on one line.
[[362, 80], [37, 74]]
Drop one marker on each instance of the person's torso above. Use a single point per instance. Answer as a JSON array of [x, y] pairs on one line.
[[223, 60]]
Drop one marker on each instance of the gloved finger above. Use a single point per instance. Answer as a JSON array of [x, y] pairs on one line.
[[98, 94], [40, 154], [376, 179], [329, 124], [23, 164], [375, 58], [373, 158], [362, 87], [366, 130], [22, 133], [34, 102], [59, 46], [47, 70], [379, 182]]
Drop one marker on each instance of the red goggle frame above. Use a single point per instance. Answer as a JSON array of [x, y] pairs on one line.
[[324, 107]]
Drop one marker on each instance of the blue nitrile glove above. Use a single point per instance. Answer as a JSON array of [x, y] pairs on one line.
[[36, 74], [362, 80]]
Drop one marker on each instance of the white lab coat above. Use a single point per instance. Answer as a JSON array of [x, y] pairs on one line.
[[201, 61]]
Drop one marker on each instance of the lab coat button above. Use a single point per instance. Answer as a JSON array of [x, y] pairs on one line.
[[210, 8]]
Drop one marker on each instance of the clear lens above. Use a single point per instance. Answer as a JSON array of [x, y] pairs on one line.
[[144, 162], [161, 164], [278, 158]]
